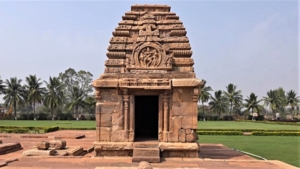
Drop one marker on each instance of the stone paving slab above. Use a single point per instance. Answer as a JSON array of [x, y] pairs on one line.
[[211, 156]]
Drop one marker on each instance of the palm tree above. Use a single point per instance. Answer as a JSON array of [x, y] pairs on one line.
[[2, 86], [54, 96], [14, 94], [253, 104], [77, 99], [272, 100], [234, 97], [282, 99], [35, 91], [90, 102], [292, 100], [204, 95], [218, 103]]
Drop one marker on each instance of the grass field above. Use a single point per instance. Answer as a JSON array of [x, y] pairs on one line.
[[286, 149], [281, 148], [69, 124], [243, 125]]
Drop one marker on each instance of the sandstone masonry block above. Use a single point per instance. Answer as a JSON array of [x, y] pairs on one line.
[[36, 152], [58, 144], [105, 120], [43, 145], [181, 135]]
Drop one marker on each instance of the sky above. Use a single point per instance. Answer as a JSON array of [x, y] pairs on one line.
[[252, 44]]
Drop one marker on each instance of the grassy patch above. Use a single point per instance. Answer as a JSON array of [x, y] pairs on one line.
[[286, 149], [63, 124], [243, 125]]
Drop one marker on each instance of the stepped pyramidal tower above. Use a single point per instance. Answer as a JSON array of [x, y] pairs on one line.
[[147, 96]]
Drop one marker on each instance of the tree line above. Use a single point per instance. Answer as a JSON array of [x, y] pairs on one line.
[[231, 100], [70, 91]]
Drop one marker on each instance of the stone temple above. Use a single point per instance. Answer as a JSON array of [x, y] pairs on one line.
[[147, 97]]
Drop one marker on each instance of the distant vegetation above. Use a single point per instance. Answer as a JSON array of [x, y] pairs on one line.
[[229, 105], [68, 96], [65, 97]]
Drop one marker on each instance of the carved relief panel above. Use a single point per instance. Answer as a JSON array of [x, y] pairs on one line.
[[150, 55]]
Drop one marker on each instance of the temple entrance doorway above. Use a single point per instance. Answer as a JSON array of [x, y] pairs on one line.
[[146, 118]]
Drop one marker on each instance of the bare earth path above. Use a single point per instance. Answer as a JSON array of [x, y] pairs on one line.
[[211, 156]]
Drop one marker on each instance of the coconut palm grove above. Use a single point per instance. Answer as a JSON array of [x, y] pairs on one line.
[[69, 96]]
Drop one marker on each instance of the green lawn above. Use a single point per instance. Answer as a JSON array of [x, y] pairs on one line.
[[243, 125], [69, 124], [286, 149]]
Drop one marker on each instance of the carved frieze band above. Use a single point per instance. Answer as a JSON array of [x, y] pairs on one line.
[[112, 70], [145, 83], [161, 22], [172, 17], [129, 17], [178, 33], [184, 69], [160, 27], [182, 53], [116, 55], [121, 33], [118, 47], [121, 40], [183, 61], [180, 46], [114, 62]]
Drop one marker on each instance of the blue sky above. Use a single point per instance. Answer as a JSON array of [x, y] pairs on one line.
[[252, 44]]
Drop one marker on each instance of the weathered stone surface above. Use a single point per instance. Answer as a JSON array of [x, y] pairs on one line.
[[145, 152], [9, 147], [105, 134], [43, 145], [37, 152], [57, 144], [183, 109], [163, 146], [76, 151], [181, 135], [113, 145], [186, 82], [191, 137], [105, 120], [144, 165], [119, 136]]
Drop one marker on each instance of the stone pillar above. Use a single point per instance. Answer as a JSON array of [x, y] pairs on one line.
[[166, 116], [126, 108], [97, 114], [132, 118]]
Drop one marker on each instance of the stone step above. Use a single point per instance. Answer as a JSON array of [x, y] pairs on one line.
[[146, 152], [145, 145], [150, 159]]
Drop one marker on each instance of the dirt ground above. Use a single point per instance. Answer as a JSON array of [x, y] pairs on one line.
[[211, 156]]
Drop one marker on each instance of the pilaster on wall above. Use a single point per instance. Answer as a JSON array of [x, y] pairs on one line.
[[166, 116], [98, 112], [126, 112]]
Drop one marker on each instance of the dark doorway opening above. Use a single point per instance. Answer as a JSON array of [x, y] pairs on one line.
[[146, 118]]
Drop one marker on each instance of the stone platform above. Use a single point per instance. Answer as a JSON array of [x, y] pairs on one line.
[[211, 156]]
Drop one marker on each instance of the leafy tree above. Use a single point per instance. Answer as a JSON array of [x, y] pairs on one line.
[[34, 90], [218, 103], [54, 97], [81, 79], [205, 95], [234, 97], [273, 100], [253, 104], [293, 101], [77, 99], [14, 94]]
